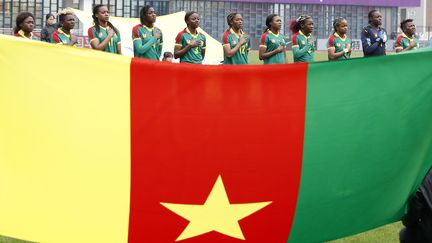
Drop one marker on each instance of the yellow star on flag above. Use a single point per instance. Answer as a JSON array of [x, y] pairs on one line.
[[216, 214]]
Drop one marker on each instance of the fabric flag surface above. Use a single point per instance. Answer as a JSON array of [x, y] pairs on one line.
[[114, 149]]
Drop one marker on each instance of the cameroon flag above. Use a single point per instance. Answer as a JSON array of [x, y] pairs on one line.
[[96, 147]]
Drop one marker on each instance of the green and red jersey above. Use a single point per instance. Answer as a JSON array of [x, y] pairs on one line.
[[403, 41], [339, 44], [34, 36], [303, 47], [60, 37], [231, 39], [194, 55], [146, 45], [271, 42], [101, 35]]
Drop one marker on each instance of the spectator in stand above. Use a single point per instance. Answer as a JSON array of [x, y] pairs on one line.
[[167, 57], [49, 28]]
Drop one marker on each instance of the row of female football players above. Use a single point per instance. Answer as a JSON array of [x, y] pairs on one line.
[[190, 44]]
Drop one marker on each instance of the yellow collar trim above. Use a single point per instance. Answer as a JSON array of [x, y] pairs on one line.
[[307, 36], [61, 31], [194, 36], [404, 35], [342, 38], [233, 32], [22, 34], [149, 29], [273, 33]]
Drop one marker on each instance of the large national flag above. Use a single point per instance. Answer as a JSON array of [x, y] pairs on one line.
[[96, 147]]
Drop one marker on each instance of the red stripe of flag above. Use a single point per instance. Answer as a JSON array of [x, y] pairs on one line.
[[191, 124]]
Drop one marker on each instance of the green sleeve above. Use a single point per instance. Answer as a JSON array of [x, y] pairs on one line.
[[140, 48], [298, 52]]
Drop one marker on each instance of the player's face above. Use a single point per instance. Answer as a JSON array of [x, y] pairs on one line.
[[194, 20], [276, 23], [51, 20], [69, 22], [103, 14], [151, 15], [376, 19], [308, 26], [410, 28], [237, 22], [28, 25], [342, 28]]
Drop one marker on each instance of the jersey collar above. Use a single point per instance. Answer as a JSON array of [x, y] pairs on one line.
[[233, 32], [149, 29], [404, 35], [22, 34], [342, 38], [62, 32], [307, 36], [273, 33], [194, 36]]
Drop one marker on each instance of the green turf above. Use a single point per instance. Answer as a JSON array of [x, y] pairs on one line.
[[319, 56]]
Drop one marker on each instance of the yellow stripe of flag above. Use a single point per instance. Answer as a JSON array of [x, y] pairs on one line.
[[64, 143]]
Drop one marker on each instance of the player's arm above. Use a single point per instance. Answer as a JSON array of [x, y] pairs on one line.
[[333, 55], [297, 51], [366, 42], [180, 51], [203, 49], [139, 45], [95, 44], [230, 52]]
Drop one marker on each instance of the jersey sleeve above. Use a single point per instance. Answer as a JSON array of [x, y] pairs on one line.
[[91, 34], [225, 39], [263, 41], [135, 33], [178, 39], [204, 41], [295, 41], [398, 43], [55, 38], [330, 42]]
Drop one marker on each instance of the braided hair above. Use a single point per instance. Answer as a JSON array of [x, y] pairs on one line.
[[336, 23], [269, 19], [295, 24], [230, 18], [143, 13], [96, 21], [20, 19]]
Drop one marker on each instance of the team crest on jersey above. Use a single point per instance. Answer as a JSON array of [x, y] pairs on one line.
[[304, 42], [64, 41], [273, 41], [100, 34], [144, 35], [338, 44], [234, 42], [188, 41]]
